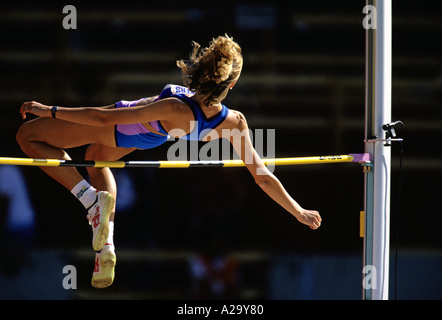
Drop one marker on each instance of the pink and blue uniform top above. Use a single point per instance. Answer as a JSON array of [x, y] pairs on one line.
[[138, 136]]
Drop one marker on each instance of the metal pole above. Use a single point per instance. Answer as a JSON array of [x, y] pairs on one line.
[[377, 180]]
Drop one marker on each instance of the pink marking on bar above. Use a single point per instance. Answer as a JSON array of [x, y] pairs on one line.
[[361, 157]]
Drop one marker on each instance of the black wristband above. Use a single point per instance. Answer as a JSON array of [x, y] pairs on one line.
[[54, 109]]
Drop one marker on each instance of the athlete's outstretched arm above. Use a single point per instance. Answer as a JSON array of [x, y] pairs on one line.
[[268, 182], [146, 110]]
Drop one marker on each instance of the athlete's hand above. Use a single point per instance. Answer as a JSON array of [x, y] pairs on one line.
[[36, 108], [310, 218]]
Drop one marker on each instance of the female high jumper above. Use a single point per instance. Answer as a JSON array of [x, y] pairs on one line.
[[116, 130]]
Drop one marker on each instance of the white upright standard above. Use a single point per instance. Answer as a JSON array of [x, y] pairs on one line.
[[377, 178]]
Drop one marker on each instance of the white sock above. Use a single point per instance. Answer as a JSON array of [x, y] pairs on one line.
[[85, 193], [110, 237]]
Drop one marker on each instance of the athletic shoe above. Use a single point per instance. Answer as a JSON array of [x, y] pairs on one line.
[[98, 216], [104, 269]]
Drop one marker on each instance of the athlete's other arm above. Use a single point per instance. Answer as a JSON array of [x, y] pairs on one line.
[[146, 110], [266, 180]]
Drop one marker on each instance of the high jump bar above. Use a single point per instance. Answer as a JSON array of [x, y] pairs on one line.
[[354, 157]]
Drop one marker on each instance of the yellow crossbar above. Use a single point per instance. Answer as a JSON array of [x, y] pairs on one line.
[[182, 164]]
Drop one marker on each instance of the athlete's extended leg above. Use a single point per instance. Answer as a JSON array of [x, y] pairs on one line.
[[103, 179]]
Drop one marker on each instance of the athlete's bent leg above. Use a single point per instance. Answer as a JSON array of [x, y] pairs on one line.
[[46, 138]]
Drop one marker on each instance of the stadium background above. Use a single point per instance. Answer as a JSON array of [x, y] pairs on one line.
[[303, 76]]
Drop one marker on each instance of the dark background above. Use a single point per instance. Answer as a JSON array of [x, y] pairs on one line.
[[303, 76]]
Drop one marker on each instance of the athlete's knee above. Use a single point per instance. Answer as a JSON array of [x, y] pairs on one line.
[[93, 152], [100, 177], [23, 135], [28, 134]]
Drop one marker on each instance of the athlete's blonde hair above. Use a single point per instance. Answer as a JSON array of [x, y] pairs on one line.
[[210, 71]]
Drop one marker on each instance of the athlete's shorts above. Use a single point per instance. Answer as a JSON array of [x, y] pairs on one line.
[[136, 135]]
